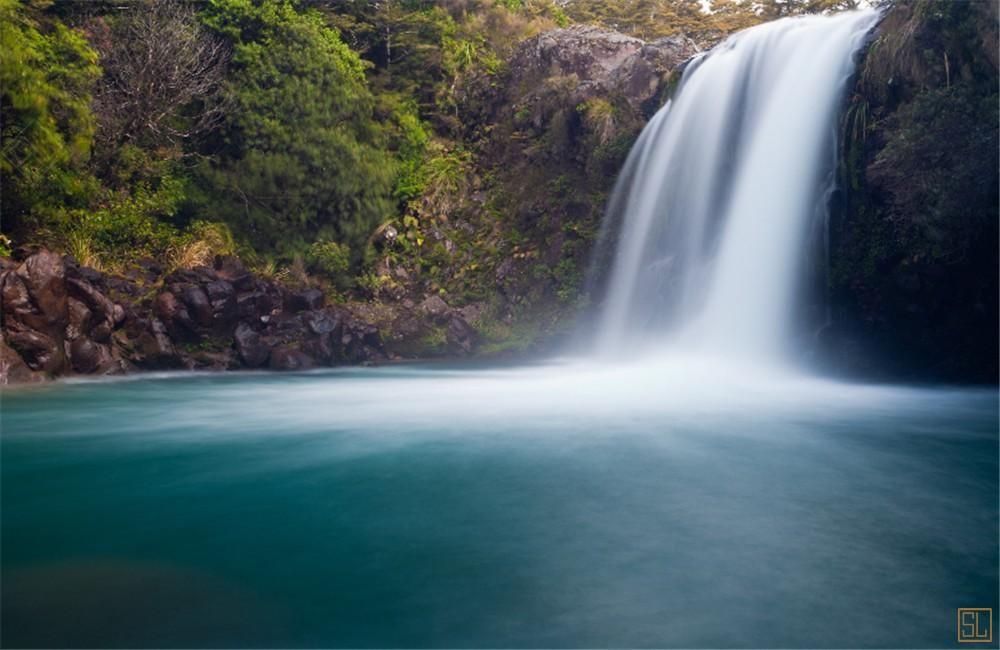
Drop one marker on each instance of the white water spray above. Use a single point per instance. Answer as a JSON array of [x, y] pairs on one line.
[[717, 197]]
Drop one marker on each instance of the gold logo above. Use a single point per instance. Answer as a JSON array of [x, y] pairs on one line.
[[975, 625]]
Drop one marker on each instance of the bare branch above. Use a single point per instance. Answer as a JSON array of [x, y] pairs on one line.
[[163, 77]]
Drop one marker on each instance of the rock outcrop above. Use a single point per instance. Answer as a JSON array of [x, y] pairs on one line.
[[562, 121], [602, 63], [60, 319]]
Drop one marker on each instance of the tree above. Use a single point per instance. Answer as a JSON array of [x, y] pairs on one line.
[[163, 78], [46, 74], [301, 157], [650, 19], [773, 9]]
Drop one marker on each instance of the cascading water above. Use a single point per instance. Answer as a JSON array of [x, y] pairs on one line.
[[711, 215]]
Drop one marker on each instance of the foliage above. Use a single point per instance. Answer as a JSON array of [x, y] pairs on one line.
[[408, 138], [941, 147], [331, 259], [47, 72], [199, 245], [428, 50], [124, 226], [301, 156], [651, 19]]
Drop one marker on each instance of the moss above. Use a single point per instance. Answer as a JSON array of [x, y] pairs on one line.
[[208, 344], [435, 341], [501, 338]]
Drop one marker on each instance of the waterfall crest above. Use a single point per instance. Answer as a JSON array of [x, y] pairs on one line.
[[711, 214]]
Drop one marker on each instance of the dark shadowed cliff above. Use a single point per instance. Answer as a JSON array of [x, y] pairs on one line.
[[913, 273]]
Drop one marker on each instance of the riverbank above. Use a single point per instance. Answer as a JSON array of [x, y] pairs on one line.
[[63, 319]]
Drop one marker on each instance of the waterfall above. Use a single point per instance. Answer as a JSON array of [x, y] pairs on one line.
[[711, 216]]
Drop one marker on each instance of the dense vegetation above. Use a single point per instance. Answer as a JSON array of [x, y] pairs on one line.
[[394, 150], [128, 127], [344, 143], [137, 129]]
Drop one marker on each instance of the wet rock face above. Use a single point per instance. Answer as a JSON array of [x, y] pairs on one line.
[[59, 318]]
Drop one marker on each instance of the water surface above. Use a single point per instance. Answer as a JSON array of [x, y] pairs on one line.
[[557, 505]]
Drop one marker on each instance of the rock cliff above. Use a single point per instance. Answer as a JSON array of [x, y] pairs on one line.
[[913, 276]]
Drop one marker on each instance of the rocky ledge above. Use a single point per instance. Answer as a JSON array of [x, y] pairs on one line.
[[60, 318], [601, 63]]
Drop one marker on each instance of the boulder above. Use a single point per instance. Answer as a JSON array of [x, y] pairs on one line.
[[16, 301], [252, 350], [289, 358], [173, 313], [228, 266], [39, 351], [154, 347], [435, 307], [13, 369], [248, 305], [197, 302], [460, 336], [79, 319], [44, 276], [222, 297], [306, 299], [323, 322], [100, 305], [59, 317], [87, 356]]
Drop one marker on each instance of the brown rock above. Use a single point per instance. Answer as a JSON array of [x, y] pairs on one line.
[[87, 356], [79, 319], [99, 304], [39, 351], [13, 369], [44, 275]]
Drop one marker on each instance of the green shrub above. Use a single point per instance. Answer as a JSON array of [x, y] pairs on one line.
[[330, 258], [304, 158]]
